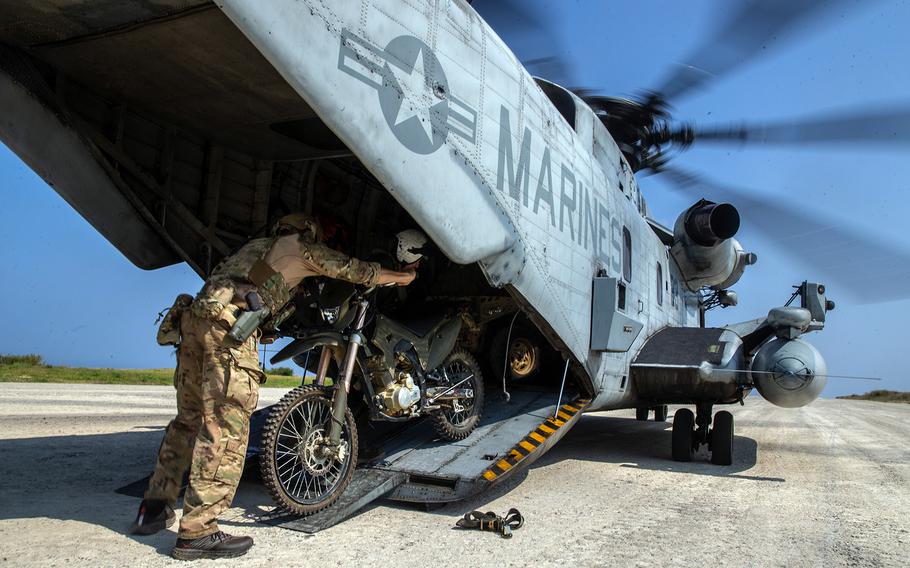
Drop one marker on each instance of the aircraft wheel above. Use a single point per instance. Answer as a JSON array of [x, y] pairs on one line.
[[641, 413], [683, 428], [660, 413], [722, 439]]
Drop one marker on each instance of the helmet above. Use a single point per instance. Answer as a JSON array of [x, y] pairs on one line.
[[298, 222], [410, 245]]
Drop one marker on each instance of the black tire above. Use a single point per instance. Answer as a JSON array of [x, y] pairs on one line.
[[526, 356], [683, 430], [282, 431], [453, 425], [661, 412], [641, 413], [722, 439]]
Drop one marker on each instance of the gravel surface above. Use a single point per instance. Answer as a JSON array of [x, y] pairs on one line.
[[825, 485]]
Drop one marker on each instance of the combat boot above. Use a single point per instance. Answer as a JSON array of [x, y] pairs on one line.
[[217, 545], [154, 515]]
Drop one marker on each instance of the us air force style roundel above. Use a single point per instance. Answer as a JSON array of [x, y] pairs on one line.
[[414, 74], [413, 91]]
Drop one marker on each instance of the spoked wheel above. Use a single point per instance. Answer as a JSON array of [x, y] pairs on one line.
[[459, 417], [300, 474]]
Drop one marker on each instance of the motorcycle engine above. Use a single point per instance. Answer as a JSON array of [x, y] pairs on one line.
[[399, 396]]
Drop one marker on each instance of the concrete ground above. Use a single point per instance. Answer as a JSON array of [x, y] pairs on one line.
[[825, 485]]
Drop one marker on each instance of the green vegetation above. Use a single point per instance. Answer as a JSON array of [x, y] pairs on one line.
[[28, 368], [881, 396], [21, 360], [282, 371]]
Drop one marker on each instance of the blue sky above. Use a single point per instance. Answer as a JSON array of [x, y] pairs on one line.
[[69, 295]]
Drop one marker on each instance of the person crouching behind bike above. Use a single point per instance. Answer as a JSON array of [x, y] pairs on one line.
[[218, 377]]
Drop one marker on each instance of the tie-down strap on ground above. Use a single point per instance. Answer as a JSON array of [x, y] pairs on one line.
[[490, 521]]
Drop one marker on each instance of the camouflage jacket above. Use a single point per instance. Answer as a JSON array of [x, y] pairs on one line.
[[291, 258]]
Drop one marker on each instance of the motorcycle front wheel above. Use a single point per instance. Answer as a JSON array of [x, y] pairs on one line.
[[300, 479]]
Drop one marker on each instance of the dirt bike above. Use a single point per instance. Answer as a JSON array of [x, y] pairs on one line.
[[405, 371]]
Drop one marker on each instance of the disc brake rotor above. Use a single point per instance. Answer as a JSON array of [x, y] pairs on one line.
[[310, 456], [313, 455]]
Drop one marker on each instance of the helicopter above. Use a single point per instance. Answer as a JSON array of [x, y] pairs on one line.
[[182, 129]]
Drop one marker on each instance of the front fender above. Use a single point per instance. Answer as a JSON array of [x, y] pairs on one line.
[[304, 344]]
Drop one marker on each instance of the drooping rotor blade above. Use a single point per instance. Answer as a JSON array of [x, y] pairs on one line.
[[872, 270], [752, 27], [882, 126]]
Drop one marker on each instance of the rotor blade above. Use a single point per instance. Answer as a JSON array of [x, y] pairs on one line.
[[882, 126], [744, 35], [871, 270], [509, 16], [529, 35]]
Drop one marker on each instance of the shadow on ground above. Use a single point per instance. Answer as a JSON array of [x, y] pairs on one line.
[[645, 445], [75, 477]]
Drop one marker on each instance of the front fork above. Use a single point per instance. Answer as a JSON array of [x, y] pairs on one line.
[[340, 398]]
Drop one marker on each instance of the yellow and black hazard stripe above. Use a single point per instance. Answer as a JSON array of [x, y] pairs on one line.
[[533, 441]]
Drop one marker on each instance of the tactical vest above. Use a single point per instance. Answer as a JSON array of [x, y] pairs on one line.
[[246, 266]]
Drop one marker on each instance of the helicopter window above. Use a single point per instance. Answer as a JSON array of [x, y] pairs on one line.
[[560, 98], [660, 285], [621, 296], [626, 254]]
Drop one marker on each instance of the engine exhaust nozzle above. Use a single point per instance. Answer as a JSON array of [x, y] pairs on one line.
[[708, 223]]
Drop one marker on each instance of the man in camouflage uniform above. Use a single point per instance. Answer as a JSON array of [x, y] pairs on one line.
[[217, 380]]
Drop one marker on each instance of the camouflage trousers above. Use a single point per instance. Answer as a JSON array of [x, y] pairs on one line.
[[217, 391]]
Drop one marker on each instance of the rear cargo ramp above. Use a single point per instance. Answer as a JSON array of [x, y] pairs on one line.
[[537, 441], [419, 467], [510, 437]]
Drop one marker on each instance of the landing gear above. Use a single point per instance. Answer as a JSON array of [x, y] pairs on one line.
[[660, 413], [722, 439], [683, 430], [691, 431]]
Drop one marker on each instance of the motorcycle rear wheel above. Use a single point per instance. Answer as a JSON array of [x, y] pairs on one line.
[[298, 479], [458, 425]]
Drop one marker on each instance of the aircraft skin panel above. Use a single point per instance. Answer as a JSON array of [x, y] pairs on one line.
[[438, 108], [340, 61]]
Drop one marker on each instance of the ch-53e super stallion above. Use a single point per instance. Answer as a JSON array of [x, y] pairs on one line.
[[180, 129]]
